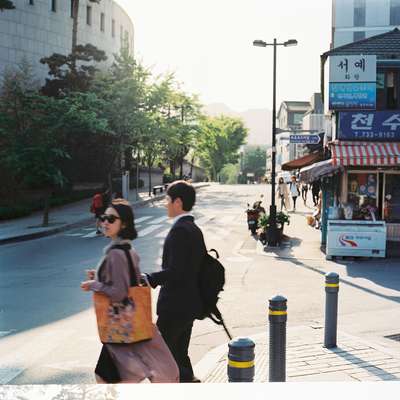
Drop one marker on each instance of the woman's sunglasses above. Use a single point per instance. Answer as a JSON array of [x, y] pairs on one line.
[[109, 218]]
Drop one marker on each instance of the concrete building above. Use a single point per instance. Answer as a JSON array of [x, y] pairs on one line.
[[39, 28], [354, 20]]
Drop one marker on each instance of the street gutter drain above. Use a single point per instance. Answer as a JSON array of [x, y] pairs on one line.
[[395, 337]]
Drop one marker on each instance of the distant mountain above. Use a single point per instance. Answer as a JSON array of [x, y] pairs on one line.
[[258, 121]]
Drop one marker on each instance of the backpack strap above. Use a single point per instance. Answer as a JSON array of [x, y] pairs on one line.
[[132, 273]]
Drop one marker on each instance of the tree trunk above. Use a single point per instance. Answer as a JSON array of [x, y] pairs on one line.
[[181, 168], [46, 209], [149, 170], [191, 167], [75, 18]]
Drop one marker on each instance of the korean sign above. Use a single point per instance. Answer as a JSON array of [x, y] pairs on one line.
[[357, 95], [369, 126], [305, 139], [352, 82], [352, 69]]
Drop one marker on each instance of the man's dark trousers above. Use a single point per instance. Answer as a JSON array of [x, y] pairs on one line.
[[179, 301], [176, 335]]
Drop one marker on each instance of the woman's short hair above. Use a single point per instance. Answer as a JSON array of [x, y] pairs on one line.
[[125, 212]]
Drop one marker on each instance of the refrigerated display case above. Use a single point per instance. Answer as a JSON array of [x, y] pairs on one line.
[[356, 238]]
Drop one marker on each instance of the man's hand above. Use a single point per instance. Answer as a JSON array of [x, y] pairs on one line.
[[85, 286]]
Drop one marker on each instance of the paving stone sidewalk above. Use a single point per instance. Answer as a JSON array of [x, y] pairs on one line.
[[307, 359]]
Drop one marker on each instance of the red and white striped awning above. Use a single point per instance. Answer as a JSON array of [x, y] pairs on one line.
[[362, 154]]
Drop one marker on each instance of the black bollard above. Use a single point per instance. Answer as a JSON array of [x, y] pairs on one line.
[[277, 339], [331, 309], [241, 360]]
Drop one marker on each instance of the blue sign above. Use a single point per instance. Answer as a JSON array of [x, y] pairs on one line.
[[305, 139], [352, 95], [379, 126]]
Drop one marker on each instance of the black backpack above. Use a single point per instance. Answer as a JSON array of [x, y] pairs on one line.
[[211, 283]]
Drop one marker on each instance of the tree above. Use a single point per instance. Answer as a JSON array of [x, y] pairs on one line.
[[254, 161], [229, 174], [74, 72], [75, 18], [6, 5], [219, 142]]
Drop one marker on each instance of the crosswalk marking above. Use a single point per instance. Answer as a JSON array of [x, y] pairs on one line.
[[158, 220], [204, 220], [148, 230], [141, 219], [73, 234], [163, 234], [90, 235]]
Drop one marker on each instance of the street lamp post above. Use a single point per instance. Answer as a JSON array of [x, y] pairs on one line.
[[272, 230]]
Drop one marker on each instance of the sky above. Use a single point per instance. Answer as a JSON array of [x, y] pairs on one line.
[[208, 45]]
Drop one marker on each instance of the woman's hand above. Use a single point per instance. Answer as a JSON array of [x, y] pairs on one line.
[[85, 286], [90, 273]]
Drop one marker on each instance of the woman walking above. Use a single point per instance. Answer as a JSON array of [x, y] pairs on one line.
[[294, 191], [283, 194], [133, 362], [304, 192]]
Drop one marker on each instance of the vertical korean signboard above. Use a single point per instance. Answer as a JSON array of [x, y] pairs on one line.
[[352, 82]]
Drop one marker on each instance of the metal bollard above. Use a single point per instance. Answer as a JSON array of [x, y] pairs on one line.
[[331, 308], [277, 339], [241, 360]]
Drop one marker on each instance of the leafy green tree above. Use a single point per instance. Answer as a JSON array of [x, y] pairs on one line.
[[254, 161], [219, 142], [6, 5], [74, 72], [229, 174]]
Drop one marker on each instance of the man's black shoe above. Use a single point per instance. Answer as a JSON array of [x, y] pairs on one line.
[[193, 379]]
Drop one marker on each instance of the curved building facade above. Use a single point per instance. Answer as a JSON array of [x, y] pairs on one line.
[[39, 28]]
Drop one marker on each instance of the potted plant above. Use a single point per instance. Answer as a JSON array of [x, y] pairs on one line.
[[263, 223]]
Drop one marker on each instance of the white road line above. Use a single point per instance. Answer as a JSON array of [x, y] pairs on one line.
[[5, 333], [73, 234], [204, 220], [226, 220], [22, 358], [163, 234], [158, 220], [148, 230], [141, 219], [90, 235]]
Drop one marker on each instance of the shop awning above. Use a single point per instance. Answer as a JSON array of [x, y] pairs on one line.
[[318, 170], [363, 154], [302, 162]]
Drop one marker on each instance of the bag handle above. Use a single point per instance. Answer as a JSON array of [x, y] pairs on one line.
[[215, 251], [134, 281]]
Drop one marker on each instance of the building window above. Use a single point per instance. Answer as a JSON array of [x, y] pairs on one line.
[[89, 15], [102, 22], [358, 35], [395, 12], [113, 28], [54, 5], [31, 2], [359, 13]]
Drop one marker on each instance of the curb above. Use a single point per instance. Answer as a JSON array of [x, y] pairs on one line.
[[85, 221]]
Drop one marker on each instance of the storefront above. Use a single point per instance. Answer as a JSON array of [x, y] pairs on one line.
[[361, 182]]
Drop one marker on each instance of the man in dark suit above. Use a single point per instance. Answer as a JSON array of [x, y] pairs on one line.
[[179, 301]]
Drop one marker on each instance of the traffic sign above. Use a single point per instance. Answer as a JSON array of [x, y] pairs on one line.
[[305, 139]]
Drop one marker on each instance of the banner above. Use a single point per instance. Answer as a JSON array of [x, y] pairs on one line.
[[378, 126]]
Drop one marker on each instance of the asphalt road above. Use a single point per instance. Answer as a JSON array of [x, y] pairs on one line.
[[48, 328]]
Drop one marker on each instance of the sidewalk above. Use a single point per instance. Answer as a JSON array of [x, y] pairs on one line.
[[302, 241], [307, 360], [63, 218]]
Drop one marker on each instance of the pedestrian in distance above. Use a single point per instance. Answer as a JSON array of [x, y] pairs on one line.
[[315, 189], [294, 191], [179, 302], [97, 208], [126, 362], [304, 192], [283, 194]]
